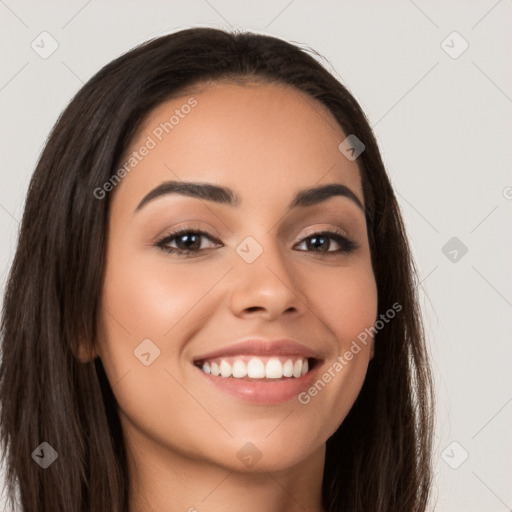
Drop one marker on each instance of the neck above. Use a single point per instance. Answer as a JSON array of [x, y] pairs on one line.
[[165, 481]]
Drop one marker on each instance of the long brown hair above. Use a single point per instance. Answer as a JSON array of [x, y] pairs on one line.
[[379, 458]]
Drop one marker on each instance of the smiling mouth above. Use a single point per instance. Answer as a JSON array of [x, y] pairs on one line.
[[258, 368]]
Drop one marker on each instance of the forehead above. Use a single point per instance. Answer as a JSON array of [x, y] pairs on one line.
[[265, 141]]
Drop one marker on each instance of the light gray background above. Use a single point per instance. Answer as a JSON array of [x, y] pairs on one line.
[[444, 127]]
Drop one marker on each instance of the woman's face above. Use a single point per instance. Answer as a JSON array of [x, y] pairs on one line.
[[266, 271]]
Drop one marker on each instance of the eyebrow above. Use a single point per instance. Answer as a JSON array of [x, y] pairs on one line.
[[223, 195]]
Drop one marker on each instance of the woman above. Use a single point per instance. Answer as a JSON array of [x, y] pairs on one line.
[[212, 305]]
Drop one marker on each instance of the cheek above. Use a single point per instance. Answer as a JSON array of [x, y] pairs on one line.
[[149, 296], [149, 312], [151, 306], [345, 301], [347, 305]]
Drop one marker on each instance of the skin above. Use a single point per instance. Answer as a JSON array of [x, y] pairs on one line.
[[265, 142]]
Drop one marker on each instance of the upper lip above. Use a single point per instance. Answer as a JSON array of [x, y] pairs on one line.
[[260, 347]]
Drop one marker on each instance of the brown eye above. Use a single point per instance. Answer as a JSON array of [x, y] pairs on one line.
[[321, 242], [186, 241]]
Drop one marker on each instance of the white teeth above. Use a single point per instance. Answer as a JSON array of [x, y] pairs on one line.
[[288, 368], [225, 369], [256, 369], [297, 368], [273, 369], [214, 368], [239, 369]]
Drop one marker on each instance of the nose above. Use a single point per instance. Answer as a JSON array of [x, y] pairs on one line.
[[267, 287]]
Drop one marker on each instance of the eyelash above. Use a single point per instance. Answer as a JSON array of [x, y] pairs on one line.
[[347, 245]]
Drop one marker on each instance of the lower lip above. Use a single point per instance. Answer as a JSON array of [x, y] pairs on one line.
[[262, 392]]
